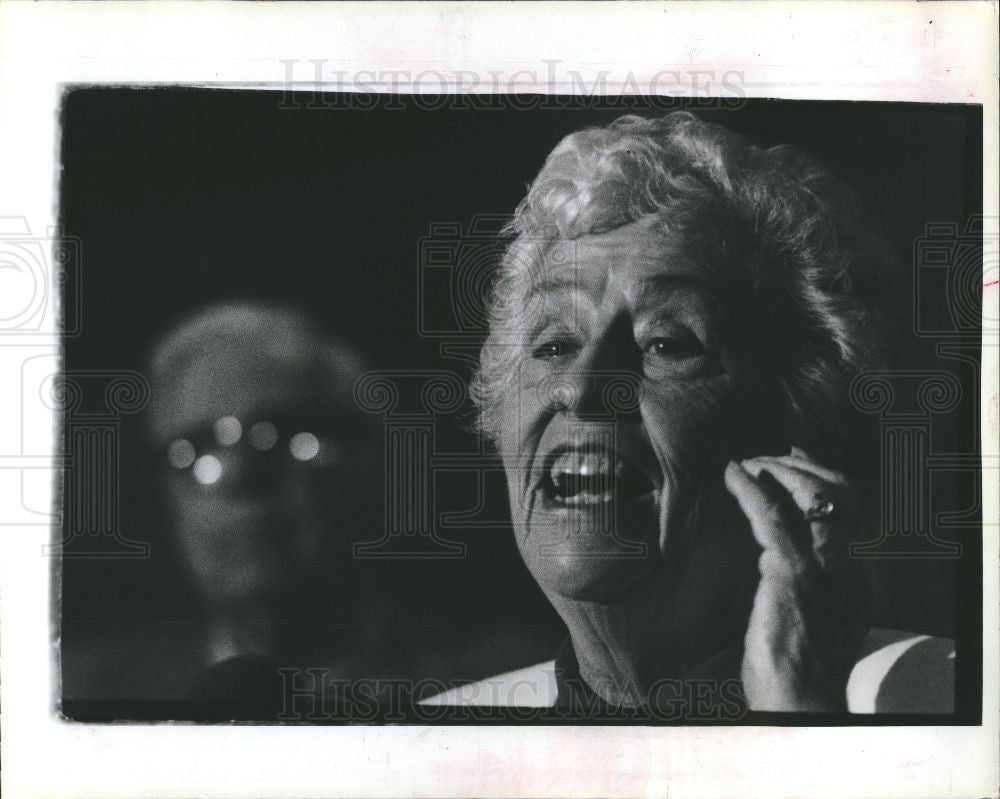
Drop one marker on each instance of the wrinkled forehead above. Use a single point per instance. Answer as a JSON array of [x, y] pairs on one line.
[[252, 386], [631, 258]]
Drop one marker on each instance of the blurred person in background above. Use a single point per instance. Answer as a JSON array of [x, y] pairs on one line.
[[271, 477]]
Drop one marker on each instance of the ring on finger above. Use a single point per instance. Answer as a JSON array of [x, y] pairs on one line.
[[821, 510]]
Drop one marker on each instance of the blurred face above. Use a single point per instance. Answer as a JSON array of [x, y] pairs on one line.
[[621, 418], [261, 478]]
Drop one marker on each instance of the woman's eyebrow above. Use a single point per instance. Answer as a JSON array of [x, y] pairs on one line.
[[569, 283], [661, 289]]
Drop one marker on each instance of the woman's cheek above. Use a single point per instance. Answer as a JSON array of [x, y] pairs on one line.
[[526, 397], [690, 422], [691, 429]]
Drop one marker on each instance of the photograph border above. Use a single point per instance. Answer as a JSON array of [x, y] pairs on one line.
[[929, 52]]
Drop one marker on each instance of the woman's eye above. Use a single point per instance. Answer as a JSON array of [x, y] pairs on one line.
[[552, 349], [674, 347]]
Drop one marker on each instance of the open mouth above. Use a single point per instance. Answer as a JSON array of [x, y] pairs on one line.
[[582, 478]]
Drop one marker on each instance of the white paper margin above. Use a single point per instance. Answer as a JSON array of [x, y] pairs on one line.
[[938, 52]]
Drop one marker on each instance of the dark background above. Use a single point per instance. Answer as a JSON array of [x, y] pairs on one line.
[[182, 197]]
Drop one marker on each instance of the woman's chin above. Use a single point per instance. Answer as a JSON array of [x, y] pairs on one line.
[[592, 580], [593, 552], [593, 569]]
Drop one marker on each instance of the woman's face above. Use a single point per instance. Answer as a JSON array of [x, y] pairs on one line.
[[626, 405]]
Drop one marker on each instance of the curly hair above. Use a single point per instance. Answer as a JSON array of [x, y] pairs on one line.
[[790, 237]]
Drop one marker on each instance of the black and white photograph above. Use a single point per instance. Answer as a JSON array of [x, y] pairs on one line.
[[528, 413], [381, 407]]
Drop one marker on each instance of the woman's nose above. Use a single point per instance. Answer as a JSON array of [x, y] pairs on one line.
[[604, 383]]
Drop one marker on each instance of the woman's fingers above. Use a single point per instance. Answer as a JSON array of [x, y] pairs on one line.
[[805, 486], [799, 460], [770, 510], [808, 486], [793, 657]]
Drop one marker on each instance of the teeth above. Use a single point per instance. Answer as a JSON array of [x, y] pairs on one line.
[[584, 464], [586, 498], [581, 477]]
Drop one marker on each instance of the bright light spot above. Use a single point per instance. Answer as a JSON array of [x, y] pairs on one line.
[[207, 470], [303, 446], [263, 436], [180, 453], [228, 430]]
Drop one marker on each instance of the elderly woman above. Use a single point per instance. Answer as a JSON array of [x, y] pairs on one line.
[[673, 332]]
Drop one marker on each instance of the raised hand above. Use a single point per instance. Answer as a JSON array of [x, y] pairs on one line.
[[810, 609]]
